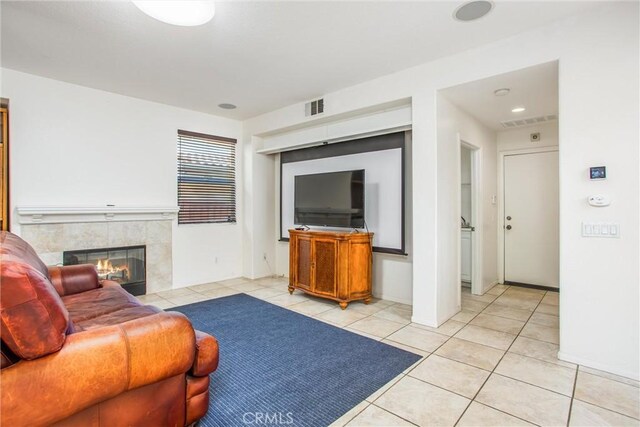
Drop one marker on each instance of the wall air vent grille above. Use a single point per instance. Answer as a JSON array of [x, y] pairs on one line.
[[510, 124], [314, 107]]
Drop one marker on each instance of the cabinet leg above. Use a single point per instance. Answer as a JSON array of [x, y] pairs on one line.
[[367, 300], [343, 304], [290, 290]]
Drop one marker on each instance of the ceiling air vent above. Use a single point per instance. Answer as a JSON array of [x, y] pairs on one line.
[[510, 124], [314, 107]]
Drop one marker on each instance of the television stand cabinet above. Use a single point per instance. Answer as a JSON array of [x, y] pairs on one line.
[[333, 265]]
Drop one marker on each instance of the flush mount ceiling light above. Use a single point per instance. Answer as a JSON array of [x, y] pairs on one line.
[[187, 13], [502, 91], [227, 106], [472, 10], [518, 110]]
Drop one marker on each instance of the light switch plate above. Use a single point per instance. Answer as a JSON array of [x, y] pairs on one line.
[[600, 229]]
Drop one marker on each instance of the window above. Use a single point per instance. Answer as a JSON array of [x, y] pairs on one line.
[[206, 178]]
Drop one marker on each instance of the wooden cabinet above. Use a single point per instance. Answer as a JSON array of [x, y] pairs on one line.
[[331, 265]]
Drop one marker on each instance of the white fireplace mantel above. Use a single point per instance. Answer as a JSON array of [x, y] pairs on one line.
[[71, 214]]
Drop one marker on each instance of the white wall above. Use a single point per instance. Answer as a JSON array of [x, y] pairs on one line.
[[454, 125], [75, 146], [465, 190], [598, 92]]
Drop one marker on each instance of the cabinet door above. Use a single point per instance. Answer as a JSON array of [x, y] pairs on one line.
[[325, 267], [304, 262]]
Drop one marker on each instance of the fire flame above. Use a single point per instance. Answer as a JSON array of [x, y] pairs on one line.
[[105, 268]]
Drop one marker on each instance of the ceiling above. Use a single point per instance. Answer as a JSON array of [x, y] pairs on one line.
[[259, 55], [535, 88]]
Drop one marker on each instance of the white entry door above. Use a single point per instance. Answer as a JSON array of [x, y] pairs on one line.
[[531, 218]]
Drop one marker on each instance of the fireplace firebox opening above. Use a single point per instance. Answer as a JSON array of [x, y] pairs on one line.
[[125, 265]]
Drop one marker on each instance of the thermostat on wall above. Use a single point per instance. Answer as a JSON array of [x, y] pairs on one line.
[[598, 172], [599, 200]]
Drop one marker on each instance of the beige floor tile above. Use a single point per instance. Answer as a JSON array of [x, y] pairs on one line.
[[377, 417], [247, 287], [551, 298], [395, 313], [376, 326], [548, 309], [149, 298], [531, 403], [311, 307], [405, 347], [451, 375], [470, 353], [372, 398], [174, 293], [608, 394], [269, 281], [418, 338], [539, 350], [235, 281], [448, 328], [475, 306], [548, 320], [265, 293], [206, 287], [351, 414], [368, 309], [586, 415], [497, 323], [542, 333], [341, 317], [479, 415], [464, 316], [482, 298], [188, 299], [423, 404], [484, 336], [518, 290], [163, 304], [219, 293], [538, 372], [508, 312], [285, 300], [497, 289], [610, 376], [522, 302], [355, 331]]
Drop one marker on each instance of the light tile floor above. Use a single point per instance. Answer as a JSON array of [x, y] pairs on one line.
[[492, 364]]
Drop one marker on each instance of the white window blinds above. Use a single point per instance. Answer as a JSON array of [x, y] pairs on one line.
[[206, 178]]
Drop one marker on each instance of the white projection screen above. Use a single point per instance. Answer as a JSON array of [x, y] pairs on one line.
[[382, 158]]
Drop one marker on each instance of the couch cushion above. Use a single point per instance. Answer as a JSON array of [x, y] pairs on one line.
[[13, 248], [33, 319], [117, 317], [98, 302]]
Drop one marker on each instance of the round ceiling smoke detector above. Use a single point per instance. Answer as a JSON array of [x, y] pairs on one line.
[[502, 92], [473, 10], [227, 106], [186, 13]]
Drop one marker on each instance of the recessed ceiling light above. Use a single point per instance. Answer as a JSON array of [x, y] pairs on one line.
[[187, 13], [502, 92], [472, 10], [227, 106], [518, 110]]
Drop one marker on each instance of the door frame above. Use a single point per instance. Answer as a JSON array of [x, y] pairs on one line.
[[476, 215], [501, 203]]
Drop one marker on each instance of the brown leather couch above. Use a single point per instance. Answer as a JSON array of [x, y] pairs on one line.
[[77, 351]]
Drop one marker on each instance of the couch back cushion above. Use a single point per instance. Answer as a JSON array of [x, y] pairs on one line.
[[33, 319], [13, 248]]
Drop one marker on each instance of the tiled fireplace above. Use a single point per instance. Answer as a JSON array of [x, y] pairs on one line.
[[53, 234]]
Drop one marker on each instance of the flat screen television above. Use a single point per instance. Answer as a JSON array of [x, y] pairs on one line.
[[332, 199]]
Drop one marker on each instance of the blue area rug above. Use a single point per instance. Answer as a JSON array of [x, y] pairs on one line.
[[280, 367]]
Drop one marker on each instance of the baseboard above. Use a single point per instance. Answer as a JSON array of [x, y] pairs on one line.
[[527, 285], [426, 322], [599, 366], [393, 299]]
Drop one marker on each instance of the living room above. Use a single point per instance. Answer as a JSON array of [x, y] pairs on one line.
[[101, 98]]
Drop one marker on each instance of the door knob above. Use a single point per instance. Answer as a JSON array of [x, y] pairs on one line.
[[508, 218], [508, 227]]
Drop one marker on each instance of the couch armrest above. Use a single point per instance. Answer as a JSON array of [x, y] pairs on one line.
[[94, 366], [72, 279], [206, 360]]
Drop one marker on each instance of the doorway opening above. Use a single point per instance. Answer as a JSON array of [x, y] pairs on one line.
[[470, 250]]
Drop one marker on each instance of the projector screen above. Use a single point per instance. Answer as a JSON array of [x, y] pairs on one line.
[[382, 158]]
